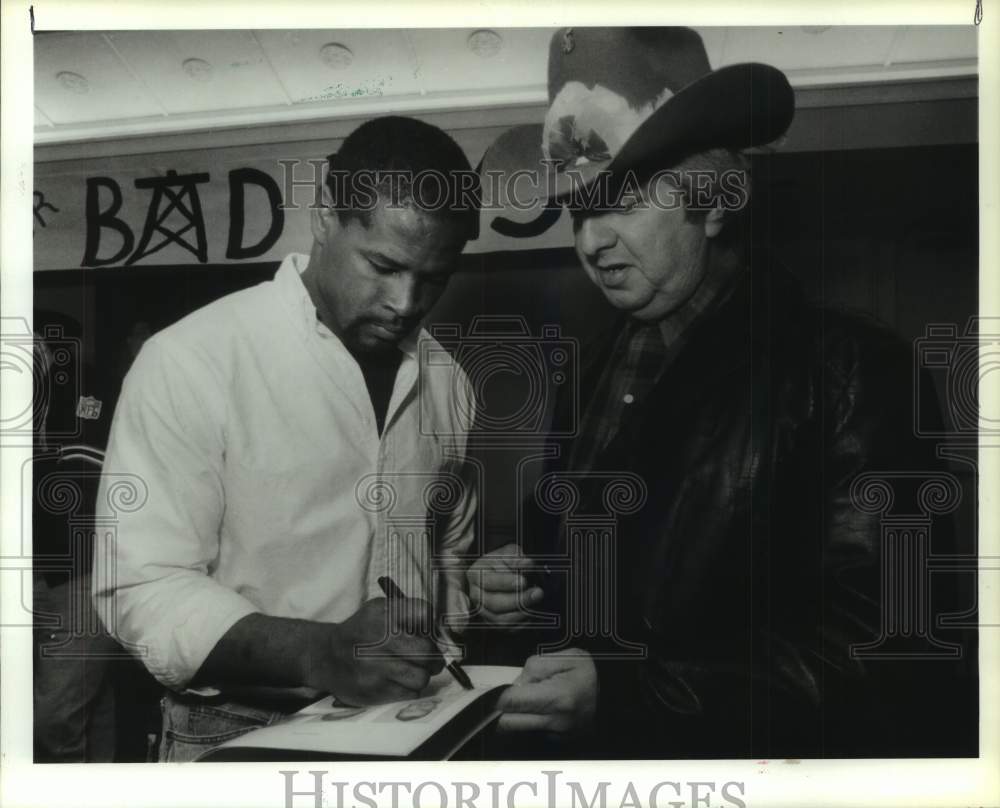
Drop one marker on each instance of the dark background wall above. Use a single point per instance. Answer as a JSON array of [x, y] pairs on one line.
[[892, 233]]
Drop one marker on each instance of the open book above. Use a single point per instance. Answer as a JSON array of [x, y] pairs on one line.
[[433, 726]]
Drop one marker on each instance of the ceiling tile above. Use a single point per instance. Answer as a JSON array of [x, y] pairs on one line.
[[715, 40], [198, 71], [382, 64], [109, 92], [135, 81], [445, 62], [796, 48], [937, 43]]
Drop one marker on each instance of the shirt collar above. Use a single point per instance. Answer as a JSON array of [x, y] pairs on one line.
[[289, 281]]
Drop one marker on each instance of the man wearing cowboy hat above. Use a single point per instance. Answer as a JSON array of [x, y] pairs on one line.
[[749, 576]]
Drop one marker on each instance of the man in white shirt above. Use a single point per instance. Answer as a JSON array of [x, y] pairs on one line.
[[282, 449]]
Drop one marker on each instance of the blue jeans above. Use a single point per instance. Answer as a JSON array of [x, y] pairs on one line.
[[193, 725], [73, 696]]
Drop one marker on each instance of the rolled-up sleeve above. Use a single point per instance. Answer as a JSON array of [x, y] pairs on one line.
[[158, 542]]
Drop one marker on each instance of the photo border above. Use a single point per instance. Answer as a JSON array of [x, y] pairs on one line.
[[792, 783]]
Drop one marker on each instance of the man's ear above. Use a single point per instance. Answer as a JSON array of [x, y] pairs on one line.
[[323, 218], [714, 221], [324, 222]]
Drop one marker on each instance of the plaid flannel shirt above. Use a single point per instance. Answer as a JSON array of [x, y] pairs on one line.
[[642, 353]]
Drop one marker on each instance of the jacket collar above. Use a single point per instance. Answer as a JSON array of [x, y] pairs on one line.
[[749, 321]]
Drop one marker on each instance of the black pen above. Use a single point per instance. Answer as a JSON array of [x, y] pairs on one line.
[[393, 592]]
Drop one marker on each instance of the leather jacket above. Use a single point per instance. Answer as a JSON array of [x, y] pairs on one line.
[[750, 571]]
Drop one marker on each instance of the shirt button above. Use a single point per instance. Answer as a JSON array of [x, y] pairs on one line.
[[628, 398]]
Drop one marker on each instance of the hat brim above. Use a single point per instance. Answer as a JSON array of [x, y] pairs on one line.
[[735, 107]]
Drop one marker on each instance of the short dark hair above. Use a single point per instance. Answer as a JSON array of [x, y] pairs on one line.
[[403, 162]]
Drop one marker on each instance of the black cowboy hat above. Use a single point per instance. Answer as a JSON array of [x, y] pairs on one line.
[[638, 98]]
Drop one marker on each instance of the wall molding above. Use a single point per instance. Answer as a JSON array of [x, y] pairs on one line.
[[500, 116]]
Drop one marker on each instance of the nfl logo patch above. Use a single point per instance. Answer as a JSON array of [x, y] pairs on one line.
[[88, 407]]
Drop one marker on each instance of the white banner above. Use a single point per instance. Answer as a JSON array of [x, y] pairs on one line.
[[219, 206]]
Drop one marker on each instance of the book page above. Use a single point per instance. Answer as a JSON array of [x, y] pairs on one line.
[[393, 729]]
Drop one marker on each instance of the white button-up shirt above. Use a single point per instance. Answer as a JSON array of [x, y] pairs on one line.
[[245, 473]]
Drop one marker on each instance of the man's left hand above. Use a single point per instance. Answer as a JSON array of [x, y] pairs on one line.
[[554, 693]]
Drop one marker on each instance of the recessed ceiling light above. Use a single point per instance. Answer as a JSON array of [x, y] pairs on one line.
[[198, 69], [485, 43], [336, 56], [73, 82]]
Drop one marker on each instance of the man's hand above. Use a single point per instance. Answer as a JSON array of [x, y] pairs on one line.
[[397, 663], [498, 585], [554, 693]]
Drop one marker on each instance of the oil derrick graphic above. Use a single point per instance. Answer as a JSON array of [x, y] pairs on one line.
[[181, 192]]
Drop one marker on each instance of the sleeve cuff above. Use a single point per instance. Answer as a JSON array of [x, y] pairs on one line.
[[180, 651]]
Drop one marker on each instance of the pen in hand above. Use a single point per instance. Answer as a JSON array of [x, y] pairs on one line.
[[393, 592]]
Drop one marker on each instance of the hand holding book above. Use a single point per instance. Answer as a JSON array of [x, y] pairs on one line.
[[554, 693]]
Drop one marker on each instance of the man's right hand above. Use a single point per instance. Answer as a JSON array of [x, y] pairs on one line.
[[383, 652], [498, 586]]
